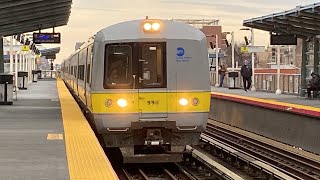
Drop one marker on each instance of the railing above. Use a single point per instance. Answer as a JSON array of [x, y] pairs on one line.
[[289, 83]]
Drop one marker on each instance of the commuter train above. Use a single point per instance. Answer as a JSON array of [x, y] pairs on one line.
[[145, 86]]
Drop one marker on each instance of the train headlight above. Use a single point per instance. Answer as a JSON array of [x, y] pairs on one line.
[[122, 103], [151, 26], [156, 26], [147, 26], [183, 102]]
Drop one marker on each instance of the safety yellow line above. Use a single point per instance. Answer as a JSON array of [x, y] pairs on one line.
[[270, 102], [86, 159]]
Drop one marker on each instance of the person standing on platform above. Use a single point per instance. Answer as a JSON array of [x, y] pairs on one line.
[[314, 84], [222, 72], [246, 73]]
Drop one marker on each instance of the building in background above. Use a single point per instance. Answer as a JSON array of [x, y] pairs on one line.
[[210, 27]]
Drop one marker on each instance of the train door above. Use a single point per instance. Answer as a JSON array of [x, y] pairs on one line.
[[88, 76], [152, 78]]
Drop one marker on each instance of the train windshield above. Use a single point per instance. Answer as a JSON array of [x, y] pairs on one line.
[[153, 65], [118, 65]]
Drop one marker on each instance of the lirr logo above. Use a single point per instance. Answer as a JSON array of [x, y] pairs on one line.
[[180, 51]]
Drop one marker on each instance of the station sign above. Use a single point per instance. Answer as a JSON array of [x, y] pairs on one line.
[[256, 49], [252, 49], [51, 56], [284, 39], [220, 55], [53, 38], [25, 48]]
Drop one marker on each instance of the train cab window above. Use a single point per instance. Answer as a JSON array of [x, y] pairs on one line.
[[118, 70], [152, 65]]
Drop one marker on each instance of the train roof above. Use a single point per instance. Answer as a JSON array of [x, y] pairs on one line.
[[132, 30]]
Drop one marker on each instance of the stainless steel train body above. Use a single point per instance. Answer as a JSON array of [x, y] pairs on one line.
[[146, 84]]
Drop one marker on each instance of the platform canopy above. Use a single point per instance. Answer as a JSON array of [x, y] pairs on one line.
[[303, 21], [21, 16]]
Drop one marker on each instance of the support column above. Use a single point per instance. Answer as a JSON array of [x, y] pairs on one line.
[[217, 61], [11, 55], [303, 81], [16, 71], [278, 91], [253, 84], [316, 55], [1, 55], [20, 60]]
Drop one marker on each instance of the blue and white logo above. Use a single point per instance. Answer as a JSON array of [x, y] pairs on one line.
[[180, 51], [181, 55]]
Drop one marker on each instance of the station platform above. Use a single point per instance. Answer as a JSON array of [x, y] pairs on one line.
[[285, 102], [45, 136], [288, 119]]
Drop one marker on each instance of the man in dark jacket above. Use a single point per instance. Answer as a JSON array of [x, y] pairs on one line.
[[246, 73], [314, 84]]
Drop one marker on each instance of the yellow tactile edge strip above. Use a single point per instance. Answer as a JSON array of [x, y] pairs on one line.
[[86, 159], [270, 101]]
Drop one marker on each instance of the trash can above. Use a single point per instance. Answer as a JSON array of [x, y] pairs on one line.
[[22, 80], [6, 89], [34, 75], [232, 80], [39, 74]]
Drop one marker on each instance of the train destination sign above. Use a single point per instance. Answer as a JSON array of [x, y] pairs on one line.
[[39, 38]]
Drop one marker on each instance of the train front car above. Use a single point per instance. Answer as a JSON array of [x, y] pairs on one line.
[[151, 93]]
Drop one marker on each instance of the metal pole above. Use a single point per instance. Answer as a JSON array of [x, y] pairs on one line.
[[11, 55], [16, 72], [217, 61], [278, 91], [232, 46], [20, 60], [253, 88], [29, 67], [1, 55], [23, 61]]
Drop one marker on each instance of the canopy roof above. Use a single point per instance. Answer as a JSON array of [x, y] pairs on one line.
[[22, 16], [303, 21]]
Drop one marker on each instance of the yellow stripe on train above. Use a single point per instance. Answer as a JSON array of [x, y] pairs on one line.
[[150, 102]]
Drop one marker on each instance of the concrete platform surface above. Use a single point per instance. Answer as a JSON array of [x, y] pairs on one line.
[[294, 99], [31, 136]]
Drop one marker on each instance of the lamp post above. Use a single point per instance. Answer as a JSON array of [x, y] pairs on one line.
[[253, 88]]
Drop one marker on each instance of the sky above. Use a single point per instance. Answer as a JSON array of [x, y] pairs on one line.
[[89, 16]]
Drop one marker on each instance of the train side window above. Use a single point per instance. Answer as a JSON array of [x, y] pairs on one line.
[[75, 71], [118, 69], [81, 72]]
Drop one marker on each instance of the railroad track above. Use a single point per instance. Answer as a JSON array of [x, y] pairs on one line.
[[190, 169], [287, 162]]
